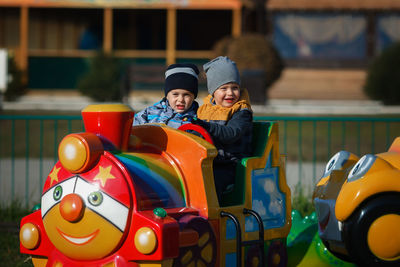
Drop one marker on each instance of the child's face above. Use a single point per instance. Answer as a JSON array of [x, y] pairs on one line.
[[227, 95], [180, 100]]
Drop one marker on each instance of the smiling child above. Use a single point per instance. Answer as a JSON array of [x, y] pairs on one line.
[[226, 114]]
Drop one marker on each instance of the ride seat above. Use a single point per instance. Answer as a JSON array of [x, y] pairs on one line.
[[236, 194]]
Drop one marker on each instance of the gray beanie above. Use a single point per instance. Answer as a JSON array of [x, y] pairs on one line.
[[220, 71]]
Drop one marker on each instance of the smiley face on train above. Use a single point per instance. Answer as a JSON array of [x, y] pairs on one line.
[[85, 214]]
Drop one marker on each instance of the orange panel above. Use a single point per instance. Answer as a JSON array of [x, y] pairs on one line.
[[191, 156]]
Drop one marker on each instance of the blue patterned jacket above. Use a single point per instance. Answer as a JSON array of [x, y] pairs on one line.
[[161, 112]]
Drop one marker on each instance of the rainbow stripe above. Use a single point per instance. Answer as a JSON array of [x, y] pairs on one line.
[[156, 183]]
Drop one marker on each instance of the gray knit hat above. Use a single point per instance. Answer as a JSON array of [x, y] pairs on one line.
[[220, 71]]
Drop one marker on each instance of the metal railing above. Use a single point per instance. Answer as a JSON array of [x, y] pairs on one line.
[[28, 147], [28, 151], [309, 142]]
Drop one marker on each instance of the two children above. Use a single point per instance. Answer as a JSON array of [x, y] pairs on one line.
[[226, 113], [178, 106]]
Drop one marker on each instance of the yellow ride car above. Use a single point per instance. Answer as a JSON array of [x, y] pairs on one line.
[[357, 202]]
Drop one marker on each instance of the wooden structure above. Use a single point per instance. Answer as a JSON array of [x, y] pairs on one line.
[[332, 4], [24, 49]]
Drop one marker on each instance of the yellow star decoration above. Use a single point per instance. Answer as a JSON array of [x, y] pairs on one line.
[[103, 175], [54, 175]]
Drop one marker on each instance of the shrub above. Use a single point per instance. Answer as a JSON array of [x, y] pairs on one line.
[[102, 81], [13, 212], [383, 79], [252, 51], [302, 202], [10, 218], [15, 86]]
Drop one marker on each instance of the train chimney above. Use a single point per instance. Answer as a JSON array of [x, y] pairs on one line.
[[111, 122]]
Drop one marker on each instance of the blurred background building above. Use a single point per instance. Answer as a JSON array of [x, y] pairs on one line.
[[331, 41], [52, 39]]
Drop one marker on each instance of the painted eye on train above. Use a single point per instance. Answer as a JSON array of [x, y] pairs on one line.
[[361, 167], [103, 204], [57, 194], [95, 198]]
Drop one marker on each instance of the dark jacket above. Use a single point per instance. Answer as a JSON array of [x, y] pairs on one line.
[[230, 128], [232, 138]]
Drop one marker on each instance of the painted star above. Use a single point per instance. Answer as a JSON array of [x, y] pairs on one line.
[[104, 174], [54, 175]]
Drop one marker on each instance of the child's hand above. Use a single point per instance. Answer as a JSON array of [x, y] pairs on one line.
[[197, 121]]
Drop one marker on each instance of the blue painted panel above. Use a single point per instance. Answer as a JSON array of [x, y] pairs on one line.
[[268, 201]]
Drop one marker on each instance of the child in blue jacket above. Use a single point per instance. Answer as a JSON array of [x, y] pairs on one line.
[[178, 106]]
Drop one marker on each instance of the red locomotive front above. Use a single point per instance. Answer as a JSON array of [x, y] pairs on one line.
[[145, 196]]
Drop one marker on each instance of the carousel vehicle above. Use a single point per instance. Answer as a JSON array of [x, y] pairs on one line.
[[358, 207], [145, 196]]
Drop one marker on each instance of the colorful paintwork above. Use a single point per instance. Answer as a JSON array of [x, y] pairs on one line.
[[358, 206], [267, 200], [146, 197], [156, 183]]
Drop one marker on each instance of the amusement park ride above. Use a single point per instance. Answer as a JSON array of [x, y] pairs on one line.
[[358, 207], [145, 196]]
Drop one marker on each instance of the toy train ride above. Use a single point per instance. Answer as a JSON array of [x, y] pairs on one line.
[[145, 196]]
